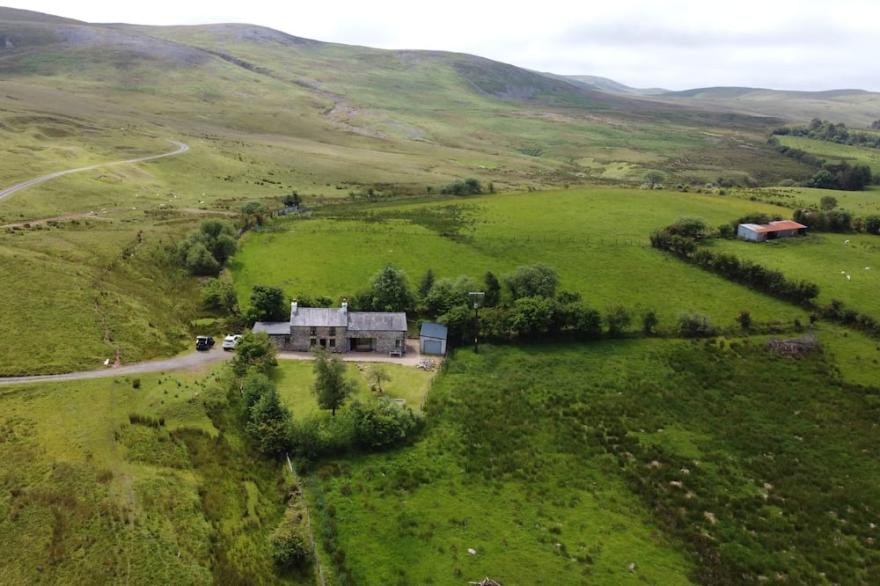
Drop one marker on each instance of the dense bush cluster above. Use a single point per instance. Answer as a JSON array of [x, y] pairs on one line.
[[825, 220], [469, 186], [205, 251]]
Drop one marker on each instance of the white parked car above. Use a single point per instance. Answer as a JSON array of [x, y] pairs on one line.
[[231, 341]]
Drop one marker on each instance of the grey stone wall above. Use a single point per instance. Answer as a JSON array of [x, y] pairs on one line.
[[300, 341], [384, 341]]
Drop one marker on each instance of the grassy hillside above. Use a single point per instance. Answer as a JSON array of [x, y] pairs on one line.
[[596, 239], [664, 462], [91, 497], [856, 108]]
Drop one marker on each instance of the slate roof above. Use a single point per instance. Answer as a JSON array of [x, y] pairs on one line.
[[318, 317], [277, 328], [432, 330], [377, 321]]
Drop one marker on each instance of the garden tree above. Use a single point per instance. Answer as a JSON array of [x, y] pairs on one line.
[[219, 295], [618, 319], [828, 202], [253, 214], [254, 385], [255, 351], [446, 294], [219, 238], [532, 281], [532, 316], [872, 224], [654, 178], [331, 388], [389, 290], [269, 424], [492, 290], [649, 323], [426, 283], [268, 304], [376, 375], [459, 322], [745, 320], [381, 424]]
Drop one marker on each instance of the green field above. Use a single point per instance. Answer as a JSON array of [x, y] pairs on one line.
[[596, 239], [825, 259], [835, 152], [544, 460]]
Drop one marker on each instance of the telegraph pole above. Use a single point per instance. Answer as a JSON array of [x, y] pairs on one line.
[[477, 297]]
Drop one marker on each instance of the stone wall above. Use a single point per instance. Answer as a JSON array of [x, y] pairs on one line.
[[384, 341], [301, 340]]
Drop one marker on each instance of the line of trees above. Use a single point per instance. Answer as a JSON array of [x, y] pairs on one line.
[[841, 176]]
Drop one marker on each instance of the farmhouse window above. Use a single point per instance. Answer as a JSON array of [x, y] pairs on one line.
[[313, 331], [332, 331], [313, 341], [333, 342]]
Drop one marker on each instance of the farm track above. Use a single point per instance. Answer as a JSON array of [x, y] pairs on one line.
[[191, 360], [4, 193]]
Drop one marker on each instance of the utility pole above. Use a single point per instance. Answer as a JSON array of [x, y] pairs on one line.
[[477, 297]]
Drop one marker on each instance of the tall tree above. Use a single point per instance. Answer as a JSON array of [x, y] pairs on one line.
[[378, 375], [331, 387], [426, 283], [268, 304], [493, 290], [389, 290]]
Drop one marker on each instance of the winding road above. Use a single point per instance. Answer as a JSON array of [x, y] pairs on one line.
[[4, 193], [192, 360]]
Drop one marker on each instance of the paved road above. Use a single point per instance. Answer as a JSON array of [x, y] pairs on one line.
[[181, 148], [178, 363]]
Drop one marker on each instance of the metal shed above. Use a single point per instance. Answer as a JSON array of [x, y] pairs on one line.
[[432, 339]]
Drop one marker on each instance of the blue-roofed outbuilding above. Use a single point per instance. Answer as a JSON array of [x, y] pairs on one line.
[[432, 338]]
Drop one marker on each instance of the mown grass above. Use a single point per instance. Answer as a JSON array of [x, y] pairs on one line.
[[296, 378], [825, 259], [596, 239], [695, 461]]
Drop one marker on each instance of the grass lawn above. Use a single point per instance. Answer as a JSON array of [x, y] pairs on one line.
[[698, 461], [296, 377], [825, 259], [596, 239]]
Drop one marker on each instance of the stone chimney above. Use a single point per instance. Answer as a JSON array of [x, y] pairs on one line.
[[294, 307], [344, 308]]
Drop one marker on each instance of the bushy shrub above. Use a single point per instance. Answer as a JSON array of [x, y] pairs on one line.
[[268, 304], [219, 295], [695, 325], [254, 351], [205, 251], [467, 187], [618, 319], [381, 424]]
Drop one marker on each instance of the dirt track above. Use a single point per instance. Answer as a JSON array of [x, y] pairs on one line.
[[4, 193]]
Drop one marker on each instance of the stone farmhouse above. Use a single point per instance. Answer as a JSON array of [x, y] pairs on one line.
[[338, 330]]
